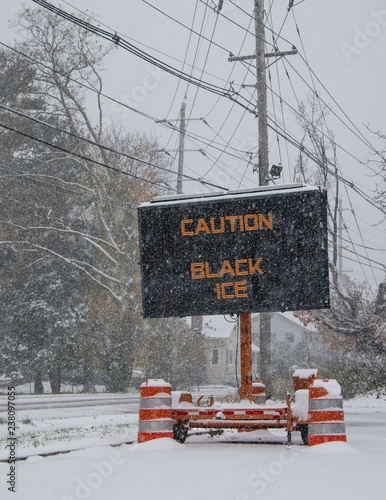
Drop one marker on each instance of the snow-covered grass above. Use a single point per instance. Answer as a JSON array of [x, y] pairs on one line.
[[372, 402], [226, 467], [38, 435]]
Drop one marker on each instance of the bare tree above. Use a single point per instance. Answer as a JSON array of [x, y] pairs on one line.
[[99, 222], [377, 165], [311, 117]]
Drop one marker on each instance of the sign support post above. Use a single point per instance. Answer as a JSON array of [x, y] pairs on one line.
[[246, 356]]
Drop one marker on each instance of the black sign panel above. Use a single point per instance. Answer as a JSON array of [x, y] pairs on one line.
[[251, 252]]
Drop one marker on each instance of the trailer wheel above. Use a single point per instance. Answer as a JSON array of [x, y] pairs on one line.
[[304, 433], [180, 432]]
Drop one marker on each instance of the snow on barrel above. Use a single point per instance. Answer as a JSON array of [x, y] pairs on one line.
[[326, 418], [303, 377], [258, 392], [155, 411]]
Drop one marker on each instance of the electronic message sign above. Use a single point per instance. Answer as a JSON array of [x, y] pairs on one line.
[[234, 253]]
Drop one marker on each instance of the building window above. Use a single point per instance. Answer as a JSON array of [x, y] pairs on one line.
[[215, 357], [230, 356], [289, 336]]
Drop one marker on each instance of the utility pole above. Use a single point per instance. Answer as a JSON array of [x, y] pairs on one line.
[[340, 250], [181, 148], [265, 318], [261, 93], [196, 321]]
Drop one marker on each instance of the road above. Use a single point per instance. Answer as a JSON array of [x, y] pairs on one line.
[[46, 401], [80, 403]]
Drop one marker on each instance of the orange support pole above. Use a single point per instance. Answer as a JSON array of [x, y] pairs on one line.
[[246, 356], [289, 418]]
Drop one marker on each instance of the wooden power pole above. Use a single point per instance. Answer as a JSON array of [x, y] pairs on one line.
[[196, 321], [265, 318], [181, 147]]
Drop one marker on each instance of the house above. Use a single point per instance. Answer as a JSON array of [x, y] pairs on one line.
[[291, 348]]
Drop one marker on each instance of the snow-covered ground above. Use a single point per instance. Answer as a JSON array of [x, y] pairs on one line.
[[203, 468]]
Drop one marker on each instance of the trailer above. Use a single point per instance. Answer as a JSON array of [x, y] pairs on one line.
[[315, 410], [244, 416]]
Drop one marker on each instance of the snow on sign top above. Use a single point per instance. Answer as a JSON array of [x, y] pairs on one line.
[[211, 195], [251, 251]]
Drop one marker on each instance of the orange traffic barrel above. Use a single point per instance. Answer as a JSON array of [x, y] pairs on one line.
[[303, 377], [155, 411], [258, 392], [326, 417]]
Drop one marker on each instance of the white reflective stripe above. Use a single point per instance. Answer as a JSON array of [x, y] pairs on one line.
[[318, 429], [155, 426], [147, 404], [324, 404]]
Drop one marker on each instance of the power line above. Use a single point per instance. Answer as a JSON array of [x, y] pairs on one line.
[[232, 21], [361, 263], [182, 24], [191, 72], [351, 185], [214, 164], [317, 129], [101, 146], [274, 121], [205, 61], [217, 133], [365, 246], [192, 136], [292, 140], [82, 157], [358, 135], [139, 42], [324, 118], [278, 35], [364, 139], [119, 41], [314, 91], [143, 55], [185, 58]]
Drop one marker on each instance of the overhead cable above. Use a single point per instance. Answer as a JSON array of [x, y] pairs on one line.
[[82, 157], [93, 143], [165, 123], [119, 41]]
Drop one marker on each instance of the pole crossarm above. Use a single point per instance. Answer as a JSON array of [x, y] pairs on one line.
[[268, 54]]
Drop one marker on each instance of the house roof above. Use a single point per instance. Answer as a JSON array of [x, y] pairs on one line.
[[218, 327], [221, 327]]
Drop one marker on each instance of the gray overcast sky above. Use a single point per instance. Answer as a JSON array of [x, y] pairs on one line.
[[344, 42]]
